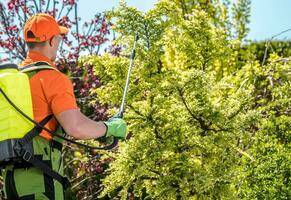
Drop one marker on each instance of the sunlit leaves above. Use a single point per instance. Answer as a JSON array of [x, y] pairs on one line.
[[199, 117]]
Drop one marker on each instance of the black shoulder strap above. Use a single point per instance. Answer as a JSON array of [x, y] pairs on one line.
[[35, 131], [28, 156]]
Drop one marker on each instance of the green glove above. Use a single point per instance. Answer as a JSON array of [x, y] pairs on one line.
[[116, 127]]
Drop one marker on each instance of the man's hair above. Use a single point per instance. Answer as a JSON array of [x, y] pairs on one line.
[[32, 45]]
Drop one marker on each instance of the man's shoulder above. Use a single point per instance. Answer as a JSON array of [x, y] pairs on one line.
[[51, 77], [50, 73]]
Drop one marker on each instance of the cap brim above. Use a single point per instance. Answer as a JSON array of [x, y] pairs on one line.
[[63, 30]]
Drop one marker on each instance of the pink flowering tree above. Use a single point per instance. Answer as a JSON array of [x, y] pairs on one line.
[[85, 38]]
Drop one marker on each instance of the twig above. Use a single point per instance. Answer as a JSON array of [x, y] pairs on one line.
[[40, 10], [77, 25], [69, 10], [136, 111], [202, 123], [24, 13], [54, 8], [147, 35], [245, 154], [93, 196], [283, 60], [67, 164], [83, 180], [63, 5], [47, 5], [36, 7], [269, 42]]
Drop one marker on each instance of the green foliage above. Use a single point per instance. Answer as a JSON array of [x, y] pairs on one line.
[[205, 123], [185, 144], [197, 43], [241, 15], [256, 50], [268, 177]]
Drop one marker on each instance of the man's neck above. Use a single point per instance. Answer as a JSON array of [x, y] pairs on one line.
[[41, 51]]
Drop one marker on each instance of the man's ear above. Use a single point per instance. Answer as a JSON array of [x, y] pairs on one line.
[[51, 41]]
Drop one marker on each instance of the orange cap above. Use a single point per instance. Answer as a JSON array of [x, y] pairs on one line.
[[43, 27]]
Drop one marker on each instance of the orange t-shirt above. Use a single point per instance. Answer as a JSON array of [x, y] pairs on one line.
[[51, 91]]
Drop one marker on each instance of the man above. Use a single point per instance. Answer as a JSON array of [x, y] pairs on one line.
[[52, 93]]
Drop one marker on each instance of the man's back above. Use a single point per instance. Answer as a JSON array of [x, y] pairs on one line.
[[51, 91]]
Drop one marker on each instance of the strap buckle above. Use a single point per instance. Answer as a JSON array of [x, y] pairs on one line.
[[27, 156]]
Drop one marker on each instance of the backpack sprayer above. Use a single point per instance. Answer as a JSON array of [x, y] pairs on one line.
[[17, 127]]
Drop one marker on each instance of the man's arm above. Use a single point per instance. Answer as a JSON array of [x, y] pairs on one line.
[[79, 126], [59, 93]]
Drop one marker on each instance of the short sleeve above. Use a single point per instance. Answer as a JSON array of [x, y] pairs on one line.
[[58, 90]]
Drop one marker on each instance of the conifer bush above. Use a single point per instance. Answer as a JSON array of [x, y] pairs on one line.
[[204, 124]]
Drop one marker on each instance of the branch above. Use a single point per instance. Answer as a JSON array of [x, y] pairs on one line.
[[21, 20], [24, 13], [144, 177], [22, 48], [236, 112], [39, 5], [285, 60], [245, 154], [184, 8], [54, 8], [36, 7], [147, 35], [269, 42], [69, 10], [90, 27], [202, 123], [136, 111], [93, 196], [4, 19], [47, 5], [98, 49], [92, 31], [71, 161], [63, 5], [77, 28], [83, 180]]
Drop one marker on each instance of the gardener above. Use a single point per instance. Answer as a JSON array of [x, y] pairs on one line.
[[52, 93]]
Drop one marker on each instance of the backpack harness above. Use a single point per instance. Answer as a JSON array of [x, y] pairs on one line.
[[16, 148]]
